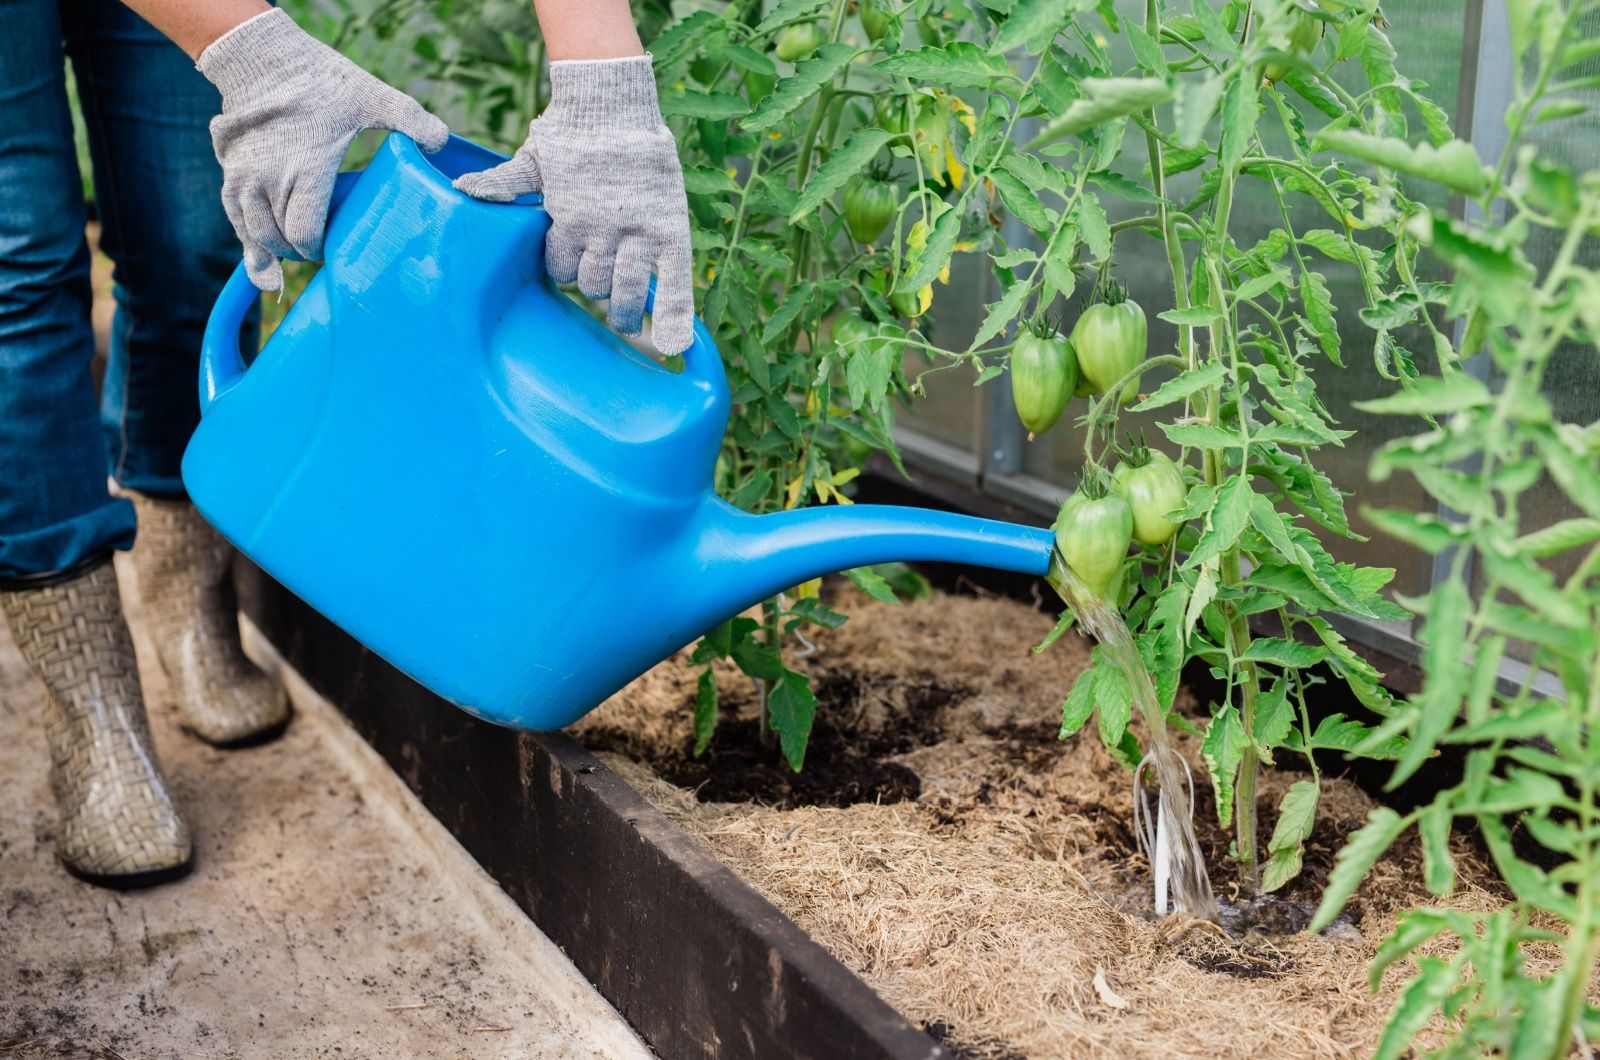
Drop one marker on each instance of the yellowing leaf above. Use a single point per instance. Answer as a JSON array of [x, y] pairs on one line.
[[925, 296], [808, 590], [792, 492]]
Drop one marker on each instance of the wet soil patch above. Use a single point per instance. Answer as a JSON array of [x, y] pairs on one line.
[[738, 768], [849, 757]]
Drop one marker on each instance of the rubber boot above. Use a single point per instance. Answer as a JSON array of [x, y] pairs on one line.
[[185, 573], [119, 827]]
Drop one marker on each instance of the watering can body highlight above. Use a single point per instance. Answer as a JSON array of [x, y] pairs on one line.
[[460, 467]]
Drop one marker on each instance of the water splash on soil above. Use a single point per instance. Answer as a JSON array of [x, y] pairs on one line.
[[1169, 839]]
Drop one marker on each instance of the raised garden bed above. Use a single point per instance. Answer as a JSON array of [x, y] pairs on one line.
[[980, 875]]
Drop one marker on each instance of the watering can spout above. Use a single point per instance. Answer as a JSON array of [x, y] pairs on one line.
[[766, 554]]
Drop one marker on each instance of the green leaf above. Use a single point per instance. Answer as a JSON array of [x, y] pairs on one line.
[[1433, 396], [1319, 313], [714, 106], [935, 255], [1020, 199], [1274, 717], [1094, 228], [1351, 866], [1438, 867], [1416, 927], [705, 709], [1079, 703], [1297, 813], [1222, 749], [1421, 998], [792, 92], [1182, 385], [678, 39], [1573, 472], [1241, 110], [1257, 286], [1205, 591], [1201, 436], [1281, 652], [1113, 705], [1063, 624], [786, 11], [1229, 516], [1195, 316], [1443, 644], [851, 157], [1032, 23], [958, 63], [1106, 99], [1528, 882], [870, 582], [704, 180], [1123, 188], [1214, 29], [1423, 530], [1195, 103], [1002, 312], [791, 707], [1559, 537]]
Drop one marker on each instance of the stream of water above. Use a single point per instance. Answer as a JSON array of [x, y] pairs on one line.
[[1167, 834]]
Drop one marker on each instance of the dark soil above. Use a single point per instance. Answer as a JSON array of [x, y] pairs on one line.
[[846, 757], [737, 768]]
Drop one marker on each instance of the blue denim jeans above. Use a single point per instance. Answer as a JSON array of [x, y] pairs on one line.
[[158, 193]]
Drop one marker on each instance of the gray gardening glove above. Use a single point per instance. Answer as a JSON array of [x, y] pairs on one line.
[[290, 107], [611, 179]]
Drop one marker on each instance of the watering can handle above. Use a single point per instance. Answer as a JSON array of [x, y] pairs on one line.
[[221, 363]]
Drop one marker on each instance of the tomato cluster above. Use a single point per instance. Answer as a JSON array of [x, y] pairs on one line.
[[1135, 505], [1108, 342]]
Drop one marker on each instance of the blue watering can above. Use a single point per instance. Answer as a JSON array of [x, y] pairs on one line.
[[460, 467]]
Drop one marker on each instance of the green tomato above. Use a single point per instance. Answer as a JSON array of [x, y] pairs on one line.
[[849, 327], [1092, 535], [1152, 490], [906, 303], [1044, 373], [1305, 30], [1110, 341], [799, 41], [893, 112], [869, 206], [875, 20]]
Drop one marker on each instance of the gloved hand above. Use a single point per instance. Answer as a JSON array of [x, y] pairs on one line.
[[611, 179], [290, 107]]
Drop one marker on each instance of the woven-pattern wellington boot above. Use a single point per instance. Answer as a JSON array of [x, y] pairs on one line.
[[119, 827], [185, 577]]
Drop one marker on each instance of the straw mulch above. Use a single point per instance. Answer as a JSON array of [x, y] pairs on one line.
[[987, 908]]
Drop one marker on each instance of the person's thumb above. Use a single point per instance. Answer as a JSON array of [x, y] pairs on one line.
[[398, 111], [519, 175]]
